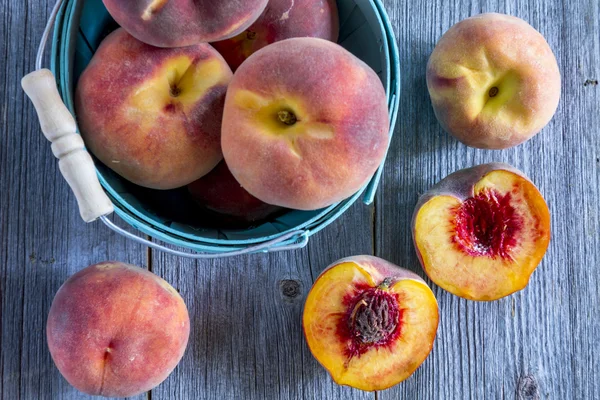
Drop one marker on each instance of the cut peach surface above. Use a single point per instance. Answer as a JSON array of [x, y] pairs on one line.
[[370, 323], [481, 232]]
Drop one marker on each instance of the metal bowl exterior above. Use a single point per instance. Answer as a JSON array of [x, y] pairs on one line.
[[64, 43]]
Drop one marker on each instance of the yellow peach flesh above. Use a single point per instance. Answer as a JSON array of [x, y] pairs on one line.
[[482, 277], [325, 304], [383, 367], [379, 367]]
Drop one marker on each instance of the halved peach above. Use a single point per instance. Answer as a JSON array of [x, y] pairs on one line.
[[370, 323], [481, 232]]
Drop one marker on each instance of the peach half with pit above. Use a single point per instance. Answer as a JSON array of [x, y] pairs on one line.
[[370, 323], [178, 23], [153, 115], [482, 231], [493, 81], [282, 19], [116, 330], [305, 124]]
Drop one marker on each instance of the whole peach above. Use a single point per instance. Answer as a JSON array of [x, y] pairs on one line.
[[282, 19], [493, 81], [218, 191], [153, 115], [116, 330], [178, 23], [305, 124]]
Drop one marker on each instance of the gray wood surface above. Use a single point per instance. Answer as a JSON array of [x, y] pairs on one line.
[[42, 238], [539, 343], [246, 340]]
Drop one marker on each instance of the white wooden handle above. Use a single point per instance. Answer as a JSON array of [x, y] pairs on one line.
[[75, 163]]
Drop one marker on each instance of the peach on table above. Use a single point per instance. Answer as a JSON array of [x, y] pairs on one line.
[[369, 322], [493, 81], [481, 232], [116, 330]]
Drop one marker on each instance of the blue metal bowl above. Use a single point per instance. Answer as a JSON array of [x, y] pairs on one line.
[[365, 31]]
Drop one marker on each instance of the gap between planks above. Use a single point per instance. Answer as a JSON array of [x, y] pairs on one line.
[[149, 265]]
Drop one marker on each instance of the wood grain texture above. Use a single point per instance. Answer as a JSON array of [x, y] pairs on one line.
[[42, 237], [539, 343], [246, 338]]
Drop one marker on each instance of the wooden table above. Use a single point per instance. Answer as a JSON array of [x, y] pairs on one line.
[[246, 341]]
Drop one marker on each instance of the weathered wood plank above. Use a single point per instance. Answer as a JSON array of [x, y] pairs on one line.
[[42, 238], [540, 342], [246, 340]]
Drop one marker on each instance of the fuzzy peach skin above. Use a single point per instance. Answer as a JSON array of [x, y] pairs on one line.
[[218, 191], [178, 23], [482, 231], [370, 323], [282, 19], [493, 81], [305, 124], [153, 115], [116, 330]]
